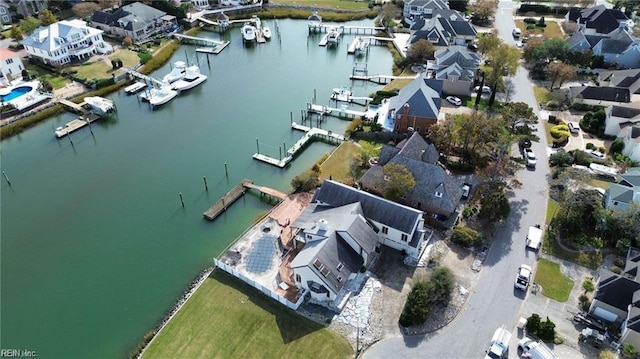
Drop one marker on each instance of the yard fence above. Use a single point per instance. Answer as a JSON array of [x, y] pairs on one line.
[[266, 291]]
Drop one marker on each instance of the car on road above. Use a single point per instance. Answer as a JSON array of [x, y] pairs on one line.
[[596, 154], [523, 277], [454, 100], [485, 89], [519, 44], [530, 157], [516, 33]]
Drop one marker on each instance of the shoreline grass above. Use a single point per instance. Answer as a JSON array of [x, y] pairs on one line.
[[226, 318]]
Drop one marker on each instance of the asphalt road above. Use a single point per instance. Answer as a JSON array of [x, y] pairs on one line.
[[494, 302]]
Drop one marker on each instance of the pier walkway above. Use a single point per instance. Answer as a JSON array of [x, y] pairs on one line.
[[347, 29], [74, 106], [218, 45], [236, 192], [381, 79], [76, 124], [147, 79], [311, 133]]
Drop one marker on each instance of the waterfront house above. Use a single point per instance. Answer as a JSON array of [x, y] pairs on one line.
[[419, 9], [622, 195], [415, 108], [616, 299], [457, 67], [435, 192], [65, 41], [337, 243], [443, 31], [197, 4], [599, 20], [137, 21], [10, 67]]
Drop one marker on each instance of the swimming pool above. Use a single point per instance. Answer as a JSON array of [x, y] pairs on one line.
[[15, 93]]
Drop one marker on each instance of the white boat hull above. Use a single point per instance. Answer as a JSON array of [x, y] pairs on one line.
[[185, 84], [163, 96]]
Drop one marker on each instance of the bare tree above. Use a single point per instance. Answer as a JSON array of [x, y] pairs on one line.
[[85, 9], [560, 72]]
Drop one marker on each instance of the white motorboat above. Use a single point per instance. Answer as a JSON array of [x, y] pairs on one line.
[[315, 20], [163, 95], [361, 46], [148, 93], [266, 32], [135, 87], [333, 36], [100, 105], [191, 79], [177, 72], [341, 94], [248, 32]]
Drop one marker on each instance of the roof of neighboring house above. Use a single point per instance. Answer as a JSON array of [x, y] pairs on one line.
[[462, 27], [433, 4], [423, 97], [613, 94], [631, 176], [378, 209], [601, 19], [626, 112], [54, 36], [325, 255], [455, 70], [633, 259], [620, 193], [413, 147], [223, 16], [615, 290], [458, 54], [129, 17], [633, 319], [441, 29], [7, 54], [430, 178], [623, 78]]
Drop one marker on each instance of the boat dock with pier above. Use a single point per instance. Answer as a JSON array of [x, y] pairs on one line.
[[236, 192], [311, 133], [216, 45], [76, 124]]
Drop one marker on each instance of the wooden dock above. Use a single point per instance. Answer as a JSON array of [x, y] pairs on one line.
[[219, 45], [311, 133], [381, 79], [220, 206], [346, 29], [76, 124], [236, 192], [75, 107]]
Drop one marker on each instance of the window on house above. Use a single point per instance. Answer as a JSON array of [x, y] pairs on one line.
[[324, 271], [339, 279], [438, 194], [404, 237], [9, 61], [309, 236], [428, 11], [298, 278], [615, 203], [340, 266], [385, 230]]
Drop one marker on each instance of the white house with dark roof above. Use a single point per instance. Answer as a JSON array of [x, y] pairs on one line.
[[10, 66], [418, 9], [622, 195], [65, 41], [137, 21], [337, 244], [599, 20], [415, 108], [443, 31], [457, 67], [397, 226], [617, 299], [435, 192], [620, 117]]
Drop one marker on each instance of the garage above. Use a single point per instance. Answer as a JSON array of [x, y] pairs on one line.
[[605, 315]]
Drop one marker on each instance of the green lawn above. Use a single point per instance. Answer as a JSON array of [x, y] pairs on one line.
[[554, 284], [330, 4], [226, 318], [337, 165], [56, 81], [552, 207], [552, 31]]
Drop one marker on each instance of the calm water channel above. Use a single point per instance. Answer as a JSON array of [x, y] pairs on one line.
[[95, 244]]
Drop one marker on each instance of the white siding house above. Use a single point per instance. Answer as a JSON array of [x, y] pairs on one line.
[[10, 66]]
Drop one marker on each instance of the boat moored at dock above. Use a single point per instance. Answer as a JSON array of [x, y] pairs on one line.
[[248, 32], [333, 36], [266, 32], [177, 72], [341, 94], [192, 78], [100, 105], [162, 96]]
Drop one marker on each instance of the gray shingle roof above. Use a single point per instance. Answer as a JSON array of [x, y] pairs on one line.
[[130, 17], [423, 97], [458, 55], [376, 208], [601, 19], [341, 222], [613, 46], [620, 193], [614, 94], [625, 112], [615, 290]]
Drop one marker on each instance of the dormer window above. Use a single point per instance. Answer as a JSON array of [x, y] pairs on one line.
[[340, 266], [438, 194]]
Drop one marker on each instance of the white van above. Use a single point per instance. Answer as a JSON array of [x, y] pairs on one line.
[[516, 33]]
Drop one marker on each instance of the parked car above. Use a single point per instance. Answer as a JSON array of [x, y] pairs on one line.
[[466, 190], [485, 89], [523, 277], [454, 100], [530, 157], [574, 127], [596, 154], [516, 33]]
